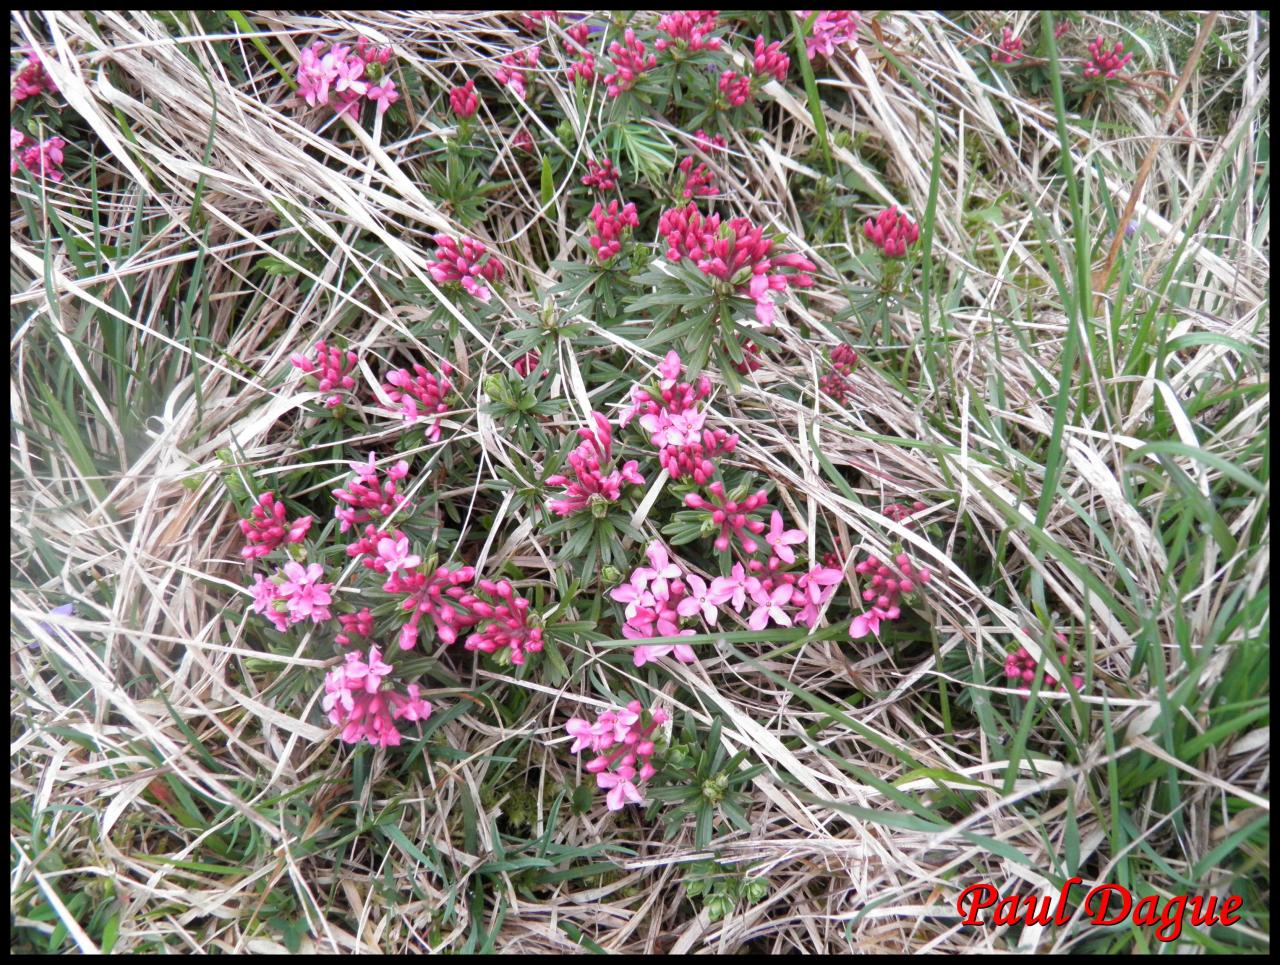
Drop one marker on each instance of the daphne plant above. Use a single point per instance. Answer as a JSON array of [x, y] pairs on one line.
[[595, 499], [723, 279], [701, 780]]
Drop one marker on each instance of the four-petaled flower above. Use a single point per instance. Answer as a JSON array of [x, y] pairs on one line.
[[781, 540]]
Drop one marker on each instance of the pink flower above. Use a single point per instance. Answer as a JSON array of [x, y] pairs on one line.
[[1008, 50], [511, 73], [468, 263], [735, 87], [698, 180], [688, 31], [1105, 63], [366, 496], [884, 591], [1020, 668], [505, 623], [30, 79], [331, 370], [699, 600], [781, 540], [532, 20], [440, 596], [597, 737], [601, 175], [357, 701], [630, 60], [354, 625], [649, 652], [306, 595], [611, 225], [590, 487], [663, 569], [394, 554], [836, 383], [622, 741], [769, 603], [731, 252], [341, 77], [384, 94], [818, 586], [43, 159], [770, 61], [420, 395], [865, 623], [731, 516], [891, 231], [901, 513], [731, 589], [265, 595], [463, 99], [635, 592], [832, 28], [675, 424], [621, 790], [268, 527]]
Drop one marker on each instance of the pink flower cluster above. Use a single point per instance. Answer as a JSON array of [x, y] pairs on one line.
[[836, 383], [511, 73], [601, 175], [610, 224], [341, 77], [366, 495], [698, 180], [503, 618], [885, 590], [630, 60], [268, 527], [623, 742], [688, 30], [892, 231], [532, 20], [831, 29], [656, 597], [589, 487], [420, 395], [43, 159], [1103, 62], [293, 594], [1020, 668], [586, 66], [676, 423], [30, 79], [1008, 50], [359, 624], [463, 100], [659, 596], [732, 516], [770, 61], [735, 88], [737, 253], [429, 595], [901, 513], [782, 596], [471, 264], [356, 700], [331, 368]]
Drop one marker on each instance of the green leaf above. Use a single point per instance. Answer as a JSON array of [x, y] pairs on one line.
[[548, 184]]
